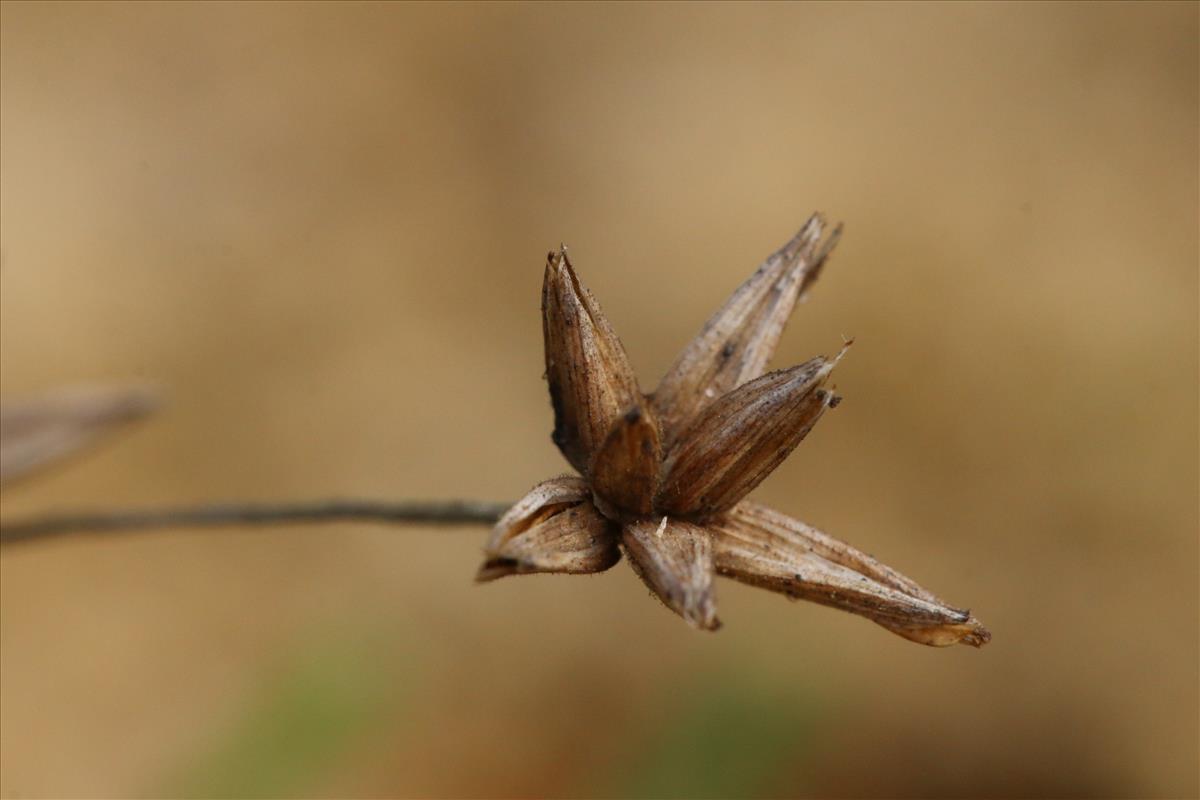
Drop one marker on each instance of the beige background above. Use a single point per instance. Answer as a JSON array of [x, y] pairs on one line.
[[322, 228]]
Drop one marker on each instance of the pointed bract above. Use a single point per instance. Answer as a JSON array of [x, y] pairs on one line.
[[591, 382], [554, 528], [674, 559], [738, 440], [799, 536], [764, 548], [737, 342], [625, 469]]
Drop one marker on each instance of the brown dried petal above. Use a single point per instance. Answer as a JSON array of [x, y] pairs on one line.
[[40, 430], [741, 438], [674, 559], [591, 382], [764, 548], [625, 469], [737, 342], [554, 528]]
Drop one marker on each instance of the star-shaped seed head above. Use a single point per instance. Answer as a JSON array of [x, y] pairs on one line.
[[664, 476]]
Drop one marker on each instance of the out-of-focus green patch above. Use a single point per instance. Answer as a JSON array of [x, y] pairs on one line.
[[718, 738], [312, 712]]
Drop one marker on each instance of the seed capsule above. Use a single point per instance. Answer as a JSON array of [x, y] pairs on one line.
[[625, 469]]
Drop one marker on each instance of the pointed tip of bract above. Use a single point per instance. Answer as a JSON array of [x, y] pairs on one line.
[[831, 363], [806, 249], [495, 568], [556, 258], [819, 251], [969, 632], [808, 235], [978, 635], [831, 242], [704, 620], [559, 259], [698, 610], [829, 396], [841, 353]]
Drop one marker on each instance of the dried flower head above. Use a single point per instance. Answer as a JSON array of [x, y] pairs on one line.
[[665, 475]]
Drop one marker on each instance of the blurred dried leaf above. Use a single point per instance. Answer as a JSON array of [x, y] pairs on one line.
[[38, 431]]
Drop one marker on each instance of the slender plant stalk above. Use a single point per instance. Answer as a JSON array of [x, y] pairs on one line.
[[229, 515]]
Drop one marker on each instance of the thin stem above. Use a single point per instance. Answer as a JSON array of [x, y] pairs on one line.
[[438, 512]]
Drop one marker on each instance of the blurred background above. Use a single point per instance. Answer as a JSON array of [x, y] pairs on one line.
[[322, 228]]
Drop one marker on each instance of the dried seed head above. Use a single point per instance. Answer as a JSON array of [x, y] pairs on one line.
[[737, 342], [625, 469], [672, 469], [740, 439], [554, 528], [591, 382], [674, 559]]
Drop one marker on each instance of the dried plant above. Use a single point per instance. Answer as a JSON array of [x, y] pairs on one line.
[[664, 476], [38, 431]]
